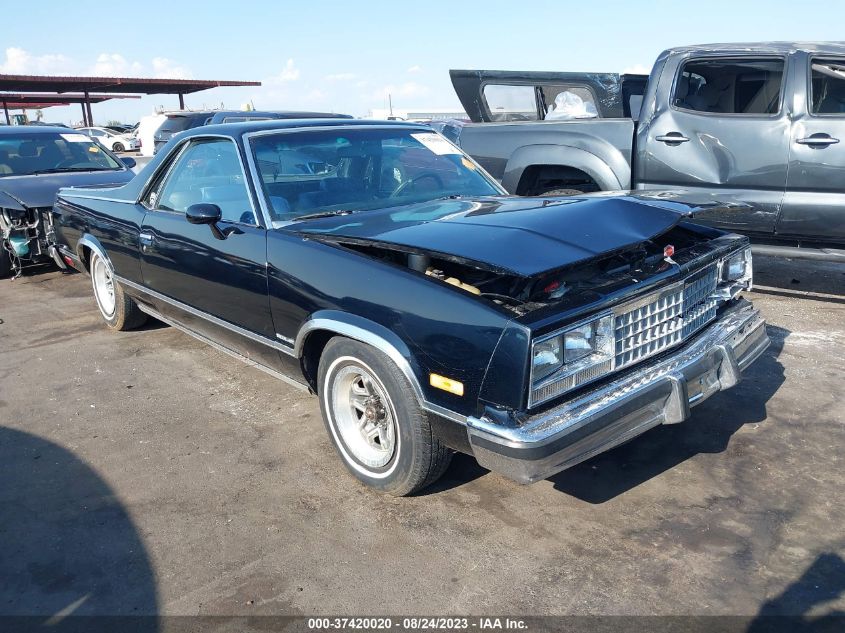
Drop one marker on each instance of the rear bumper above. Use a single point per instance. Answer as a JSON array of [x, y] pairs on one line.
[[660, 392]]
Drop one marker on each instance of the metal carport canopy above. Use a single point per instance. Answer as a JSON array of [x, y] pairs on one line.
[[36, 100], [137, 85]]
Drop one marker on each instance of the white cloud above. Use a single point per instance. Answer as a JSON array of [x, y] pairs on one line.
[[21, 62], [341, 77], [115, 64], [289, 73], [415, 69], [636, 69], [408, 89], [164, 68]]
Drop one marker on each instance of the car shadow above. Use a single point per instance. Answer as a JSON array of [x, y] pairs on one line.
[[822, 582], [708, 430], [71, 557]]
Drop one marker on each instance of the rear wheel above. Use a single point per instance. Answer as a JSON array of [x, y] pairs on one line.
[[375, 421], [118, 311], [118, 147]]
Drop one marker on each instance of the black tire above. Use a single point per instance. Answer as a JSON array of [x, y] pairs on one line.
[[5, 262], [118, 147], [561, 192], [125, 314], [418, 458]]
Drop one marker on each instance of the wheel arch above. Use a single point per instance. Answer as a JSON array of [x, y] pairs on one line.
[[563, 156], [316, 332], [88, 244]]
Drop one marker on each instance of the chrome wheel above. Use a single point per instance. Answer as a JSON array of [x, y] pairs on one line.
[[103, 286], [363, 415]]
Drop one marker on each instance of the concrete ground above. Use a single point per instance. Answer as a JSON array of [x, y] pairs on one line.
[[145, 472]]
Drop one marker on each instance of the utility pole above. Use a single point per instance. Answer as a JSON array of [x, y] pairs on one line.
[[390, 101]]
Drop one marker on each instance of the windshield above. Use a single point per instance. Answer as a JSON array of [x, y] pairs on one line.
[[321, 171], [31, 153]]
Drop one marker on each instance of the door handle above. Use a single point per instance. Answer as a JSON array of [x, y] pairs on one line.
[[146, 239], [818, 140], [672, 138]]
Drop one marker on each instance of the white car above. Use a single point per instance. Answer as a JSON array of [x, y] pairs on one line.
[[111, 139]]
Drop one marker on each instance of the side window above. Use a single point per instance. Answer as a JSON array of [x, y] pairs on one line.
[[827, 94], [511, 103], [569, 102], [730, 86], [207, 171]]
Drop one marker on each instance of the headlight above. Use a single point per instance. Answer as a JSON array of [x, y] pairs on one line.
[[738, 267], [736, 275], [567, 359]]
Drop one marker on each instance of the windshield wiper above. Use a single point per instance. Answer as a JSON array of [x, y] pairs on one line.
[[324, 214], [58, 170]]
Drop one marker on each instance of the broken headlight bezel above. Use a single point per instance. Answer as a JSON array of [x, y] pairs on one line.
[[736, 274], [573, 356]]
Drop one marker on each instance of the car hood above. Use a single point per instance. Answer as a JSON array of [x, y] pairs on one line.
[[40, 191], [523, 236]]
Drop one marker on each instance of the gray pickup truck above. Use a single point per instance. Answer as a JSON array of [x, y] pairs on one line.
[[759, 124]]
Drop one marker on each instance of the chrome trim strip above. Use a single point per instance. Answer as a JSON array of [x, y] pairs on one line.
[[208, 317], [156, 315], [374, 340]]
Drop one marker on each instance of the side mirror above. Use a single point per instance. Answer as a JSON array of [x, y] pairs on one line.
[[128, 161], [203, 213]]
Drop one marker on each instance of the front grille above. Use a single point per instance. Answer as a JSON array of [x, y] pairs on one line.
[[665, 318], [643, 328]]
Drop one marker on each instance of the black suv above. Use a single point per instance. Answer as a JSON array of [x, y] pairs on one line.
[[178, 122]]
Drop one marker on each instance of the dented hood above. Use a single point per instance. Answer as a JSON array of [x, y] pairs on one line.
[[522, 236]]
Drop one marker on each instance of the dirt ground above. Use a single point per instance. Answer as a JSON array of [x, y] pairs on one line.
[[144, 472]]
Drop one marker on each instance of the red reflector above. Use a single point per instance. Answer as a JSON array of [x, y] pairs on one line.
[[552, 287], [68, 260], [668, 250]]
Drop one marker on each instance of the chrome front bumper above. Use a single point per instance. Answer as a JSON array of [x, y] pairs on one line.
[[658, 392]]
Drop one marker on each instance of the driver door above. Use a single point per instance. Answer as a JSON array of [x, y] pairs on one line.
[[212, 281]]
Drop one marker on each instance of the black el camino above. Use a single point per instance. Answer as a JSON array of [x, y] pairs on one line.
[[380, 267]]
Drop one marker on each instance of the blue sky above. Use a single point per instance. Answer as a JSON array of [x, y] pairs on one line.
[[346, 56]]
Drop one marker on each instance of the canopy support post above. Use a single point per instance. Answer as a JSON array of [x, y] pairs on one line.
[[88, 108]]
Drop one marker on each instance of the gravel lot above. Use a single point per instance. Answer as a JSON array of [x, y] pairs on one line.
[[144, 472]]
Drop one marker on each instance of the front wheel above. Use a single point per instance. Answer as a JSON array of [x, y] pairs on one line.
[[118, 311], [375, 421]]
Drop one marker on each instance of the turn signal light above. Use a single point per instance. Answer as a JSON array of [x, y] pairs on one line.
[[446, 384]]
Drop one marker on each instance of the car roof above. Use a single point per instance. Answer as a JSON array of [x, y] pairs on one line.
[[244, 127], [778, 48], [34, 129]]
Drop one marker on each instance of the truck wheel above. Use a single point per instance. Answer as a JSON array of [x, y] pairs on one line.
[[375, 421], [119, 311], [561, 192]]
